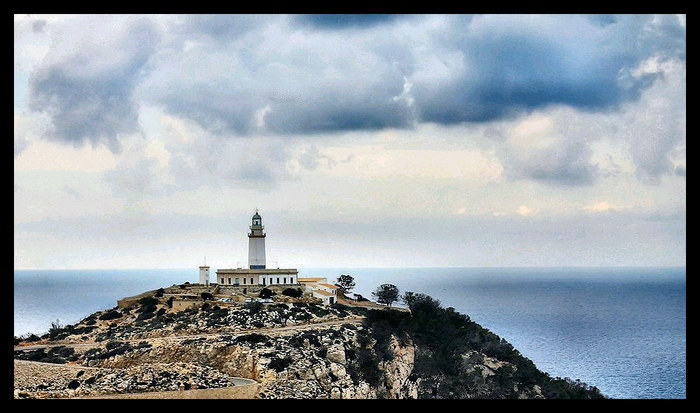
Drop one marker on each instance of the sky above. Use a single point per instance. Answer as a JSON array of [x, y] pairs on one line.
[[148, 141]]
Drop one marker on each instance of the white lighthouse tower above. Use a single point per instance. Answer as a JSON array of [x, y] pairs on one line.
[[204, 273], [256, 244]]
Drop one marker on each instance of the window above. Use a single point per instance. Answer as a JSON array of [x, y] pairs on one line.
[[278, 280], [238, 281], [244, 281], [251, 280], [285, 280], [229, 280], [222, 281]]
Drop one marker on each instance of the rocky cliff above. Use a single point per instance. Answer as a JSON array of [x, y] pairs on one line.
[[292, 350]]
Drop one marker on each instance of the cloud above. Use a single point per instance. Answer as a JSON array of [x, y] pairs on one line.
[[538, 149], [342, 21], [457, 69], [71, 191], [85, 83], [38, 26], [601, 207], [656, 128], [240, 76], [524, 210]]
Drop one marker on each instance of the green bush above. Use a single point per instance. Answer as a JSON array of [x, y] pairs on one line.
[[253, 307], [145, 301], [293, 292], [145, 316], [279, 364], [110, 315], [266, 293]]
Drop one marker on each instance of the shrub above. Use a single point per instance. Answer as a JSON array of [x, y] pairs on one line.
[[280, 364], [145, 316], [266, 293], [32, 337], [149, 308], [298, 340], [145, 301], [293, 292], [253, 307], [160, 292], [207, 296], [110, 315], [359, 297], [55, 329]]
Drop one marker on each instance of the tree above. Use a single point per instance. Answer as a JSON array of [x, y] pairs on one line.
[[386, 294], [346, 283], [420, 302]]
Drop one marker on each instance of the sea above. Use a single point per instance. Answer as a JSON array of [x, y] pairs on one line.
[[622, 330]]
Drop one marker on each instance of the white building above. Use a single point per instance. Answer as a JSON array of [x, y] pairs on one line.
[[204, 275], [320, 288]]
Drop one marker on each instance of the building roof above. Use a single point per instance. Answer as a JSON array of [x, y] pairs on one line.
[[329, 285], [258, 271], [322, 292], [312, 279]]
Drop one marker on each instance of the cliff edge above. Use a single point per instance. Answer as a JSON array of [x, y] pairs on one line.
[[299, 350]]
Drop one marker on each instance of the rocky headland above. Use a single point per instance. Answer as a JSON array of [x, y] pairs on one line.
[[289, 348]]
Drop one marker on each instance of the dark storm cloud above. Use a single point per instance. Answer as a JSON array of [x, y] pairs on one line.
[[86, 88], [336, 21], [462, 69], [522, 67], [220, 26]]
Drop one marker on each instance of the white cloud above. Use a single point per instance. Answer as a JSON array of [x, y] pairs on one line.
[[524, 210], [604, 206]]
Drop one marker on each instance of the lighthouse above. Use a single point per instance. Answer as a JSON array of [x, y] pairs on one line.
[[256, 243], [257, 274]]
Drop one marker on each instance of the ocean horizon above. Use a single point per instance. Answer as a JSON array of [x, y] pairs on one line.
[[621, 329]]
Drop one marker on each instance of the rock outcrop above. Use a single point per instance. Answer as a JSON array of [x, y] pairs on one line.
[[302, 351]]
